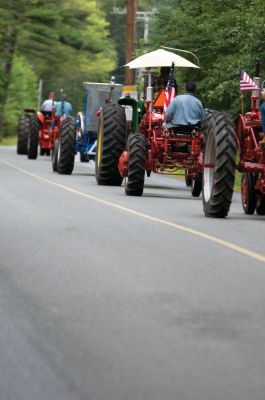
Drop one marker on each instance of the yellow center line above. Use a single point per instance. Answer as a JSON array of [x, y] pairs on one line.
[[179, 227]]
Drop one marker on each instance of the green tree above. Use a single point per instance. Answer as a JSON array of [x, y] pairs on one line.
[[21, 94], [224, 34], [62, 41]]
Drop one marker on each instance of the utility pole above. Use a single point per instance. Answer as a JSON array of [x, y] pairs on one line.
[[130, 40], [145, 17]]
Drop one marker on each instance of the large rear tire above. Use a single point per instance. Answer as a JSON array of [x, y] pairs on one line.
[[136, 168], [66, 148], [111, 142], [33, 138], [22, 134], [220, 150]]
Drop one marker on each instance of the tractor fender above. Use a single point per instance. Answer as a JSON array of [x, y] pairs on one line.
[[40, 117]]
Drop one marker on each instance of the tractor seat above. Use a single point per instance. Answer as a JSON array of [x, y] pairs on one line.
[[185, 129]]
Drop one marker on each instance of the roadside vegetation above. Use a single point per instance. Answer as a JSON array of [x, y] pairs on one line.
[[61, 43], [8, 141]]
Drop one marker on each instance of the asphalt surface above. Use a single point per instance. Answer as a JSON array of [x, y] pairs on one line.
[[109, 297]]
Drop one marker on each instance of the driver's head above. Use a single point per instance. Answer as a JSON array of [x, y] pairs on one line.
[[190, 87]]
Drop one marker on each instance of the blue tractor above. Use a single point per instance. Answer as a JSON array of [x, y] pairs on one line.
[[82, 137]]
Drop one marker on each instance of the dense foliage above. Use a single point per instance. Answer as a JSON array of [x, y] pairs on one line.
[[62, 42], [224, 34]]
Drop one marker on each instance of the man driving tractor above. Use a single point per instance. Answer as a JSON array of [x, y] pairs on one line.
[[46, 107], [184, 110]]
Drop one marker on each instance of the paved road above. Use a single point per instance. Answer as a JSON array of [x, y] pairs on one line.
[[108, 297]]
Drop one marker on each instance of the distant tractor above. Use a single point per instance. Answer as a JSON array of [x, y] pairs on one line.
[[205, 155], [36, 131], [80, 136], [41, 135]]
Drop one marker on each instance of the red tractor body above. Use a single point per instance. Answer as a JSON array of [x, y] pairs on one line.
[[166, 147], [48, 131]]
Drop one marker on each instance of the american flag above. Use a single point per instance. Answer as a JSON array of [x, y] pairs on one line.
[[170, 91], [246, 83]]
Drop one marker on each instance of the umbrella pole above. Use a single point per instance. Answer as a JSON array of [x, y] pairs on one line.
[[149, 101], [149, 89]]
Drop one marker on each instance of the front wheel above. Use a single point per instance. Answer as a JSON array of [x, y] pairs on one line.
[[260, 204], [248, 195], [218, 178], [188, 179], [136, 168], [196, 185], [66, 148]]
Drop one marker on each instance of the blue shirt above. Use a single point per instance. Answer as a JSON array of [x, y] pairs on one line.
[[67, 109], [185, 109]]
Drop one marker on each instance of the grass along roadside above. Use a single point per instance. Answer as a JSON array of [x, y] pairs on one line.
[[8, 141]]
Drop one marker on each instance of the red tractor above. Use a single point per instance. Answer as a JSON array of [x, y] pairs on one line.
[[52, 133], [251, 158], [205, 155]]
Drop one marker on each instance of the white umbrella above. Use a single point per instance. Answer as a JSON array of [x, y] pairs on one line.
[[160, 58]]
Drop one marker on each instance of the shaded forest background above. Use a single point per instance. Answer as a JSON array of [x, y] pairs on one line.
[[66, 42]]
